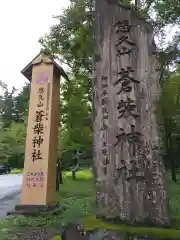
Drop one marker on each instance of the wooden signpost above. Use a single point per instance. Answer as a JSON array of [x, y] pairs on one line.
[[39, 176]]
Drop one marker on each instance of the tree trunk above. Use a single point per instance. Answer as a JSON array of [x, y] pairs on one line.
[[57, 181], [173, 172], [136, 4], [170, 147], [60, 177], [129, 170], [74, 175]]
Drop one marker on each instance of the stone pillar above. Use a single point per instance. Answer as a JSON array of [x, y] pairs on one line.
[[129, 169], [39, 175]]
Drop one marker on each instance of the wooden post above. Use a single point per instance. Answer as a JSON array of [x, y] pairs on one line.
[[39, 175], [128, 166]]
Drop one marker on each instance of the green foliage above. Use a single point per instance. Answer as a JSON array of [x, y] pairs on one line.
[[169, 113], [21, 104], [7, 105], [170, 97], [76, 124], [13, 125], [168, 11], [71, 38], [12, 145], [71, 41], [174, 194]]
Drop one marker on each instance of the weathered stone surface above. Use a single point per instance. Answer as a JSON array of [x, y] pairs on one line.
[[129, 170], [74, 231], [40, 234]]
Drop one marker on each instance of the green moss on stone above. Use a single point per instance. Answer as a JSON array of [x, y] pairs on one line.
[[91, 223]]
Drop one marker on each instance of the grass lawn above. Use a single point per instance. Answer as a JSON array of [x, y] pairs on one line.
[[77, 199], [16, 171]]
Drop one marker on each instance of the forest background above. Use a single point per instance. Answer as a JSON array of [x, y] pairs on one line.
[[71, 43]]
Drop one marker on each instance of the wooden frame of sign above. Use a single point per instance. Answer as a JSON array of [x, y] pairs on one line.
[[39, 175]]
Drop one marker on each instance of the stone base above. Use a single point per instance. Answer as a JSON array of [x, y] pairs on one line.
[[141, 223], [33, 210]]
